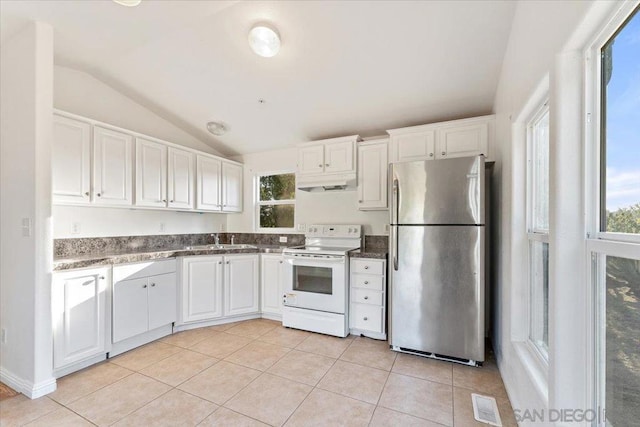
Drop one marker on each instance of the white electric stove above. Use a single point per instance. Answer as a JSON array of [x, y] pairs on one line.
[[316, 292]]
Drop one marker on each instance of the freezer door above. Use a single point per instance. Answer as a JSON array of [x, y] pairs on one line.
[[437, 291], [446, 191]]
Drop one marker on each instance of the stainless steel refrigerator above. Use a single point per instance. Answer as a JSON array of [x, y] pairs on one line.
[[437, 246]]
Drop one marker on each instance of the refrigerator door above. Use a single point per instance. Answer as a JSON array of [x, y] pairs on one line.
[[447, 191], [437, 291]]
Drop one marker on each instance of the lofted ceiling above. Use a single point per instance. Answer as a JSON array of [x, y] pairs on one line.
[[345, 67]]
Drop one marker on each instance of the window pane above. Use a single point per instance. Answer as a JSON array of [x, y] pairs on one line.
[[622, 341], [539, 279], [278, 187], [276, 216], [540, 172], [620, 153]]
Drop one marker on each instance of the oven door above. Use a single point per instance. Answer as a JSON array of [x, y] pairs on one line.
[[316, 283]]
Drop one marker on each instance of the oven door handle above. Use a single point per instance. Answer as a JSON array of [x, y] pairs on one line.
[[292, 260]]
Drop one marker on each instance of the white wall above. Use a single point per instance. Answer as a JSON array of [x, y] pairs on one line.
[[540, 32], [311, 208], [80, 93], [103, 222], [26, 99]]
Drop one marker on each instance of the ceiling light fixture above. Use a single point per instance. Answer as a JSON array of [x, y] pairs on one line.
[[264, 40], [217, 128], [128, 3]]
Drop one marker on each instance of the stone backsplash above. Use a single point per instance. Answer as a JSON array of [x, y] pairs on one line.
[[376, 243]]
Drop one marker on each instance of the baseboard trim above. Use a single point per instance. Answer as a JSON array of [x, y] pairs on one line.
[[29, 389]]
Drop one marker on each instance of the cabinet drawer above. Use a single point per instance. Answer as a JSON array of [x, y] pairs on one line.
[[366, 317], [367, 282], [366, 296], [367, 266]]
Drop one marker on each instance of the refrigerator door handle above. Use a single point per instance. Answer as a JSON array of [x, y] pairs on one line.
[[395, 202], [394, 241]]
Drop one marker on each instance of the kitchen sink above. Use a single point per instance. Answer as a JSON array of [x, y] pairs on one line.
[[220, 247]]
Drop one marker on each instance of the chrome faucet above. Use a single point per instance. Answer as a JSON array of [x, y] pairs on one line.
[[216, 238], [232, 239]]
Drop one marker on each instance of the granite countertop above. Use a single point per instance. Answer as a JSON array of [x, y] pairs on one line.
[[131, 256], [375, 253]]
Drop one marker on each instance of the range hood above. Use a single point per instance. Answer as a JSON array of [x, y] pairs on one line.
[[346, 182]]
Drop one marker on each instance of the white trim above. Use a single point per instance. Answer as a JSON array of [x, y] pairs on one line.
[[257, 203], [29, 389], [619, 237]]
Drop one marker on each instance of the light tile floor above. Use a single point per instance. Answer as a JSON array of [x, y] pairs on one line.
[[257, 373]]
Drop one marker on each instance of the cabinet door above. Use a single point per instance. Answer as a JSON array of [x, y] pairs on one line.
[[231, 187], [461, 141], [311, 160], [151, 173], [181, 176], [130, 308], [71, 161], [338, 157], [201, 288], [372, 176], [79, 315], [241, 284], [112, 165], [208, 183], [162, 300], [272, 275], [414, 146]]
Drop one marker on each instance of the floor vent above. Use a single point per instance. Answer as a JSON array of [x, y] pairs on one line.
[[485, 410]]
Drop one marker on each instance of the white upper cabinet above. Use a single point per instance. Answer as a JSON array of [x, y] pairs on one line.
[[231, 187], [112, 171], [311, 160], [181, 174], [71, 161], [415, 146], [372, 175], [338, 157], [457, 138], [461, 141], [209, 174], [151, 173], [329, 156]]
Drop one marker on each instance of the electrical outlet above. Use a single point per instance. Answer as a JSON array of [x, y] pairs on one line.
[[75, 228], [302, 227], [26, 227], [3, 336], [222, 228], [283, 239], [162, 227], [386, 228]]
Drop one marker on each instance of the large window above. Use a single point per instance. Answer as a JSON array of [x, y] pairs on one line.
[[275, 205], [538, 229], [615, 229]]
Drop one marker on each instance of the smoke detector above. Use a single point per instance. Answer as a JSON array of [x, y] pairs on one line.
[[217, 128]]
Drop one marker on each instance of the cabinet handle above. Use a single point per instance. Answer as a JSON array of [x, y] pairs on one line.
[[366, 297], [430, 154], [280, 262], [326, 164], [227, 262], [99, 195], [164, 201], [86, 194], [366, 267], [144, 286], [101, 277], [153, 285], [365, 318], [170, 201], [359, 201], [366, 282], [444, 153], [320, 166], [219, 262]]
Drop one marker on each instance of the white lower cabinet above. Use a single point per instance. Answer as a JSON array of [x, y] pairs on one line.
[[216, 286], [368, 284], [201, 288], [80, 315], [272, 276], [144, 298]]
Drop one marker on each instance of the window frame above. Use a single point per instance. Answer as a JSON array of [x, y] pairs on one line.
[[257, 203], [599, 244], [533, 234]]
